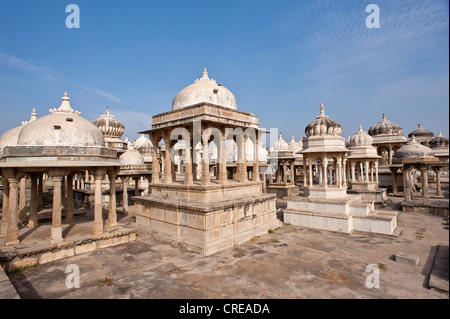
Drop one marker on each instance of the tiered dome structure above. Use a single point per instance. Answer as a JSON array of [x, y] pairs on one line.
[[439, 142], [112, 130], [385, 127], [204, 90], [323, 125]]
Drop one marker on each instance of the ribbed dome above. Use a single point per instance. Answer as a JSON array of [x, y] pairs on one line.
[[281, 144], [322, 125], [421, 132], [62, 127], [413, 150], [361, 138], [439, 142], [385, 127], [131, 157], [143, 145], [204, 90], [109, 125]]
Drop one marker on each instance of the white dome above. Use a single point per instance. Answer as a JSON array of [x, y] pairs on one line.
[[204, 90], [361, 138], [62, 127], [143, 145], [281, 144], [131, 157], [10, 137]]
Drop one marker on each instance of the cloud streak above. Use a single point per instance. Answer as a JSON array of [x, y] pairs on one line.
[[104, 94], [10, 61]]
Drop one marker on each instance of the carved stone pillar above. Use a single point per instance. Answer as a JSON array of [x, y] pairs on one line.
[[98, 210], [112, 215], [5, 208], [33, 219], [69, 208]]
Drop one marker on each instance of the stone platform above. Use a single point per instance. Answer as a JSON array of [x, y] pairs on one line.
[[34, 246], [207, 219], [282, 191], [344, 215]]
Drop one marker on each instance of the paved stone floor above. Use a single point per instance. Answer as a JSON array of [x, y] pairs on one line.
[[290, 262]]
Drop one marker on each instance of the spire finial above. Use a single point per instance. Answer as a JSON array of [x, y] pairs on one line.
[[107, 110], [384, 117], [205, 74], [322, 110], [419, 125], [413, 140], [440, 133], [360, 128]]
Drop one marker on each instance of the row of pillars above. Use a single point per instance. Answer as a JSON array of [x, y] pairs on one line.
[[325, 171], [408, 183], [362, 173], [189, 171], [10, 215], [284, 170]]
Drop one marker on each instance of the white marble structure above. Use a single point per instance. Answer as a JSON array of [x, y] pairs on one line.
[[325, 203]]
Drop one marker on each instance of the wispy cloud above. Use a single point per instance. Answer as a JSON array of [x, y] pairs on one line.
[[41, 71], [104, 94]]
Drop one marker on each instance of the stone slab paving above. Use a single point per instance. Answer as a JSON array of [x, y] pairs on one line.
[[290, 263]]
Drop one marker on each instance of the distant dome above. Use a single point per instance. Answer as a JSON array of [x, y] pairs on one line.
[[413, 150], [131, 157], [361, 138], [281, 144], [421, 132], [385, 127], [109, 125], [10, 137], [143, 145], [62, 127], [204, 90], [294, 146], [439, 142], [322, 125]]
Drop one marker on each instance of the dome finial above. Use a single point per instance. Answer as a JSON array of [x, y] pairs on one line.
[[205, 74], [440, 133], [322, 110], [384, 118], [107, 110], [360, 128], [413, 140]]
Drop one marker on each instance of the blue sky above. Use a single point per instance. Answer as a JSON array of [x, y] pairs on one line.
[[281, 59]]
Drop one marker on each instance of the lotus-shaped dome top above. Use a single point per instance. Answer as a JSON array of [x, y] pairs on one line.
[[385, 127], [323, 125]]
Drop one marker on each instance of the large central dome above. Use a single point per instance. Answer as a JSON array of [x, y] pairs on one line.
[[204, 90]]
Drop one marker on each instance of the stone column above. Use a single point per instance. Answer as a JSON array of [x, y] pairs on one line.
[[407, 184], [255, 175], [292, 176], [23, 199], [338, 172], [33, 219], [206, 177], [376, 171], [40, 200], [438, 182], [244, 174], [366, 172], [167, 162], [425, 193], [125, 194], [390, 154], [352, 164], [223, 177], [12, 232], [394, 180], [310, 173], [136, 186], [188, 176], [344, 171], [155, 161], [112, 215], [305, 172], [98, 209], [69, 208], [325, 171], [56, 229], [284, 172], [5, 208], [371, 170]]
